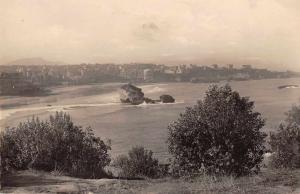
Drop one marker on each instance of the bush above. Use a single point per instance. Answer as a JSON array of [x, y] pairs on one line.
[[285, 145], [52, 145], [219, 135], [4, 168], [138, 163], [293, 115]]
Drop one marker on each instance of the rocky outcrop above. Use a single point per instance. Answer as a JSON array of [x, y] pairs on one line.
[[166, 98], [149, 101], [131, 94], [134, 95]]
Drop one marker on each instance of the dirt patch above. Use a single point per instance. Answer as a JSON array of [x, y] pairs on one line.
[[266, 182]]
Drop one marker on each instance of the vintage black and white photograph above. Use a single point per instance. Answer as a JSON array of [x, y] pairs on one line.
[[150, 96]]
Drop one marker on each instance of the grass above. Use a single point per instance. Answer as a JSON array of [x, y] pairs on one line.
[[266, 182]]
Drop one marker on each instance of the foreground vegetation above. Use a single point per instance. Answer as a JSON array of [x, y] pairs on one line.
[[54, 145], [265, 182], [220, 135]]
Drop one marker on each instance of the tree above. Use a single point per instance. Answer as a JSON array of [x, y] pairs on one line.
[[139, 162], [285, 142], [219, 135], [293, 115], [56, 144]]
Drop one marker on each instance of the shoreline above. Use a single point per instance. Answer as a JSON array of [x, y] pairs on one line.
[[16, 107]]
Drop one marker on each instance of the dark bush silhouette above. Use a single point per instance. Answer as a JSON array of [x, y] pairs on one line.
[[219, 135], [138, 163], [56, 144], [285, 142]]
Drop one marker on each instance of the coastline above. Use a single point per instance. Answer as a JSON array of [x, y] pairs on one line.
[[61, 98], [16, 107]]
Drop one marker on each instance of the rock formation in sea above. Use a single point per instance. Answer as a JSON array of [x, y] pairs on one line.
[[166, 98], [134, 95], [149, 101], [131, 94]]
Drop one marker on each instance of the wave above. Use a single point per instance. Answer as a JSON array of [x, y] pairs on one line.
[[292, 87], [8, 112], [288, 86], [159, 104], [74, 106], [149, 89]]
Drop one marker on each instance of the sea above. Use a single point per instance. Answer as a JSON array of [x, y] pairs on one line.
[[98, 106]]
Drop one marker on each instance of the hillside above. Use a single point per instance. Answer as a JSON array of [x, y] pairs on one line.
[[33, 61]]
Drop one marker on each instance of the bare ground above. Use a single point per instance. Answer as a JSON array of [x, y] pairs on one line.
[[266, 182]]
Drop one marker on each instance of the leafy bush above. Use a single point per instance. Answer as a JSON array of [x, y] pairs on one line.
[[285, 144], [138, 163], [52, 145], [219, 135], [293, 115]]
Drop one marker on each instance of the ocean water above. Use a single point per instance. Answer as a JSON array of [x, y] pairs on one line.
[[127, 125]]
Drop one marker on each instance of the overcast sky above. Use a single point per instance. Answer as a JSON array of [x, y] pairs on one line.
[[264, 33]]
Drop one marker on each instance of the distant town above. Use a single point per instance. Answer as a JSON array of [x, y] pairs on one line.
[[32, 79]]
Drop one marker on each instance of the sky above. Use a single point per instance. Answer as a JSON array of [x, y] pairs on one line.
[[264, 33]]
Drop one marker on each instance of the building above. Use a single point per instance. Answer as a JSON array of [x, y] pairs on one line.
[[15, 84], [247, 66]]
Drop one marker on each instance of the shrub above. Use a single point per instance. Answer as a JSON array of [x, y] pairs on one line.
[[4, 167], [52, 145], [219, 135], [285, 144], [138, 163], [293, 115]]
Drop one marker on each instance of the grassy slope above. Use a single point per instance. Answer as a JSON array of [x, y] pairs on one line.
[[266, 182]]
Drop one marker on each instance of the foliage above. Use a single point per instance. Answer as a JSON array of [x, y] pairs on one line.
[[138, 163], [285, 144], [219, 135], [52, 145], [293, 115]]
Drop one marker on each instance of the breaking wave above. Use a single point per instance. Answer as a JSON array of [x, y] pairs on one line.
[[7, 113], [159, 104], [150, 89]]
